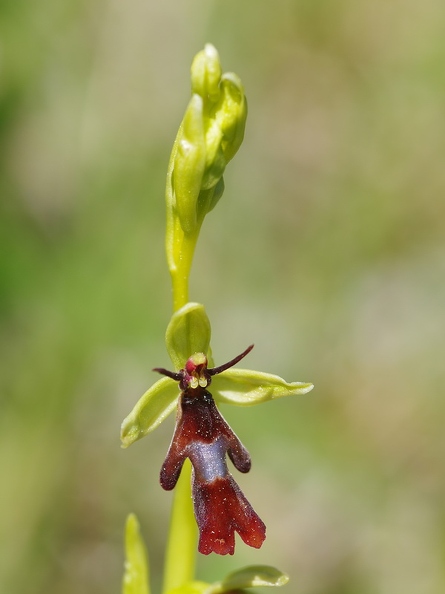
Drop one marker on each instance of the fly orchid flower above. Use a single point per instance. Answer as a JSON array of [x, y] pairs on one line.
[[203, 436], [201, 433]]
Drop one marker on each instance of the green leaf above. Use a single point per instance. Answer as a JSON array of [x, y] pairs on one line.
[[250, 577], [246, 387], [187, 333], [150, 410], [135, 579]]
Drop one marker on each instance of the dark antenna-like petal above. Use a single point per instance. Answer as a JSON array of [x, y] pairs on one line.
[[174, 375], [221, 368]]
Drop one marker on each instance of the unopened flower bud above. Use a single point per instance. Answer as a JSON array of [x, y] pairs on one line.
[[189, 164], [206, 73], [232, 114]]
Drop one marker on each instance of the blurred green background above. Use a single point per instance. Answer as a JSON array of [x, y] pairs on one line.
[[327, 251]]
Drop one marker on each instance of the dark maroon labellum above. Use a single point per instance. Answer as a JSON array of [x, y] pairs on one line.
[[202, 435]]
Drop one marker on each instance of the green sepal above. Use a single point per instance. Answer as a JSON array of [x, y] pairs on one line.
[[136, 573], [150, 410], [187, 333], [249, 577], [246, 387]]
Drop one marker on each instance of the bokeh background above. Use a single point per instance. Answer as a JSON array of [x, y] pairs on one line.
[[327, 251]]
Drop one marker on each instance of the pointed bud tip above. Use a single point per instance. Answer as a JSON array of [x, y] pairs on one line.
[[211, 51]]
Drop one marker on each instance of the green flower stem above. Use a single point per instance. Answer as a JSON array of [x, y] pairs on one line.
[[180, 271], [181, 548], [180, 246]]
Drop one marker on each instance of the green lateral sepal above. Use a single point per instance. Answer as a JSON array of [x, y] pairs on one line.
[[150, 410], [246, 387]]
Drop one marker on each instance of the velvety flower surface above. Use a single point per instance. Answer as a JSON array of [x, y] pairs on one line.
[[221, 509]]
